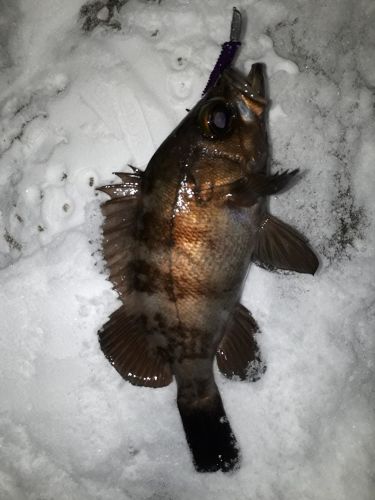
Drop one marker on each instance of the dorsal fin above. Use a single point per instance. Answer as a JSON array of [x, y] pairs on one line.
[[130, 351], [238, 353], [123, 338], [119, 227]]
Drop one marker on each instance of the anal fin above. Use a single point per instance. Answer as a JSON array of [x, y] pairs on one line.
[[238, 353], [129, 350]]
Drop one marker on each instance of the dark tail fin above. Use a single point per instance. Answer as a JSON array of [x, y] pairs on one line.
[[208, 433]]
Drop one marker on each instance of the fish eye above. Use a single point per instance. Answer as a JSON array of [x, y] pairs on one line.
[[216, 118]]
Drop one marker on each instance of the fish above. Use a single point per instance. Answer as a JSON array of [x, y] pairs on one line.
[[178, 240]]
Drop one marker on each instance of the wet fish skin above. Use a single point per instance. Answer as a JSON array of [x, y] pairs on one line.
[[196, 228], [189, 217], [179, 239], [189, 220]]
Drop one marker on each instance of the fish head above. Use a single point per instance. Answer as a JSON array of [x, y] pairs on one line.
[[228, 128]]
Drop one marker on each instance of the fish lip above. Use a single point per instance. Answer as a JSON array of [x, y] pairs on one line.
[[238, 81]]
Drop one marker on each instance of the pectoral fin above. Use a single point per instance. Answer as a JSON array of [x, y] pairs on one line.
[[130, 351], [238, 353], [279, 246]]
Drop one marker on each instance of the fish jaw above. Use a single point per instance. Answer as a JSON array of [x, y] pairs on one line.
[[246, 142], [253, 86]]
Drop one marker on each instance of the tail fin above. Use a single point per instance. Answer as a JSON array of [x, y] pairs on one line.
[[208, 433]]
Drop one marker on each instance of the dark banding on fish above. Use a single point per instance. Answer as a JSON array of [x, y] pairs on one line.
[[178, 240]]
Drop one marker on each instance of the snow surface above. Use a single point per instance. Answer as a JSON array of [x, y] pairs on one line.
[[75, 107]]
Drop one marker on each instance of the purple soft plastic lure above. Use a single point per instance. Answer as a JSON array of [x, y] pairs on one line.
[[228, 50]]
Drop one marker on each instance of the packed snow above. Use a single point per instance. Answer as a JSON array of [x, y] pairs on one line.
[[76, 106]]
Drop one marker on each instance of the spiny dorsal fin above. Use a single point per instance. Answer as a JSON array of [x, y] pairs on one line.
[[119, 227], [129, 350], [123, 339], [129, 187], [238, 353], [278, 246]]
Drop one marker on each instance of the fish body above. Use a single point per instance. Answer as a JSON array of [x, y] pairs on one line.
[[179, 239]]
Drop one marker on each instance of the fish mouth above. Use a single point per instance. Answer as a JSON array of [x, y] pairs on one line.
[[234, 158], [252, 86], [234, 177]]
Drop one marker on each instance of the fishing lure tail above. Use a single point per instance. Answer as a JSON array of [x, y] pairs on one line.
[[209, 434]]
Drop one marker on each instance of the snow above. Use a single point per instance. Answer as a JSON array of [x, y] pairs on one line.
[[75, 107]]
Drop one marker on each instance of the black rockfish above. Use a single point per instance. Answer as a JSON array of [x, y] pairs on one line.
[[179, 239]]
